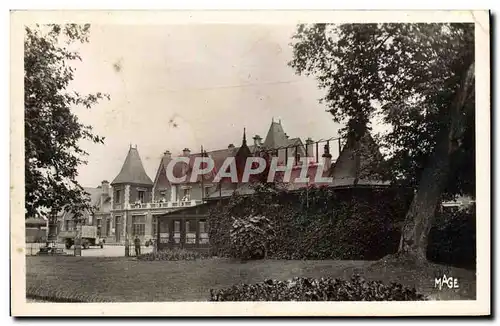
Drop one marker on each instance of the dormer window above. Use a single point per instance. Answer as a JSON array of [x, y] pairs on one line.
[[163, 195]]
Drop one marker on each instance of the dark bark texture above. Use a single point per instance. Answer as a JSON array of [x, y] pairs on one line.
[[420, 216]]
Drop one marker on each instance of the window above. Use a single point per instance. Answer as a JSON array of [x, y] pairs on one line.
[[69, 225], [141, 196], [117, 196], [186, 196], [208, 190], [138, 225], [203, 232], [190, 232], [164, 236], [177, 231], [118, 225], [99, 225], [108, 226]]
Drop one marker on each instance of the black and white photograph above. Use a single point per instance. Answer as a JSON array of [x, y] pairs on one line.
[[268, 160]]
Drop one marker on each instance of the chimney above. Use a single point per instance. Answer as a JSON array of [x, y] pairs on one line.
[[230, 146], [327, 158], [309, 147], [257, 141], [105, 186], [167, 154], [186, 152]]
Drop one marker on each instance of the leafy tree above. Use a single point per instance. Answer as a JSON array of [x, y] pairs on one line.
[[52, 130], [418, 79]]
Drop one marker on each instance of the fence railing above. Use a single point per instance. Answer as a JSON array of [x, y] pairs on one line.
[[314, 150], [168, 204]]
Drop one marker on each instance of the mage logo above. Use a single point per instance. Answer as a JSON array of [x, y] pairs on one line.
[[450, 282]]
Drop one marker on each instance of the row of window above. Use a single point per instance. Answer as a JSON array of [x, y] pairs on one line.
[[190, 228], [141, 195], [186, 193], [139, 229]]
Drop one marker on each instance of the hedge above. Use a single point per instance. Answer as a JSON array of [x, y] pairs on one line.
[[316, 223], [173, 255], [322, 223]]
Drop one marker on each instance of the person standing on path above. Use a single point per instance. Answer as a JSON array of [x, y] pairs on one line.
[[137, 243]]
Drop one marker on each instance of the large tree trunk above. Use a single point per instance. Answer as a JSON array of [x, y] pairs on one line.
[[420, 216]]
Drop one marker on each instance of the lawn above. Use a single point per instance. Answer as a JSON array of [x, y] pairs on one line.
[[126, 279]]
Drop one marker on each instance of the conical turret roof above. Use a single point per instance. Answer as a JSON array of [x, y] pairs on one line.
[[276, 136], [358, 162], [132, 171]]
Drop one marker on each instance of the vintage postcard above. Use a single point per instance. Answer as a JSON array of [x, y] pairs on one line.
[[250, 163]]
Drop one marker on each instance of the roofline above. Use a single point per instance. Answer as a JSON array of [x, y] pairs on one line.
[[349, 186], [132, 183], [385, 186], [160, 166], [298, 139], [177, 211]]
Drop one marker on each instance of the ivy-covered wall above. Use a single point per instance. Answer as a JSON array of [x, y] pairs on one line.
[[313, 223]]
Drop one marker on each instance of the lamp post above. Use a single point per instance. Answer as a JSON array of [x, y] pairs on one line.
[[127, 245]]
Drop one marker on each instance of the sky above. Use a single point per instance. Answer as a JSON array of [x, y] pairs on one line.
[[178, 86]]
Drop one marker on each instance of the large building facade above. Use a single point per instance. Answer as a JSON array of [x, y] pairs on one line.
[[134, 200], [131, 205]]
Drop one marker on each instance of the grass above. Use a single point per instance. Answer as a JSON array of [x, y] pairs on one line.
[[95, 279]]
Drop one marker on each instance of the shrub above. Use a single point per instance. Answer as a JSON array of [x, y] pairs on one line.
[[452, 239], [173, 254], [323, 289], [250, 237]]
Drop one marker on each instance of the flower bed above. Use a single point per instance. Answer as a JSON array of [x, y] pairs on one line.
[[173, 254], [323, 289]]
